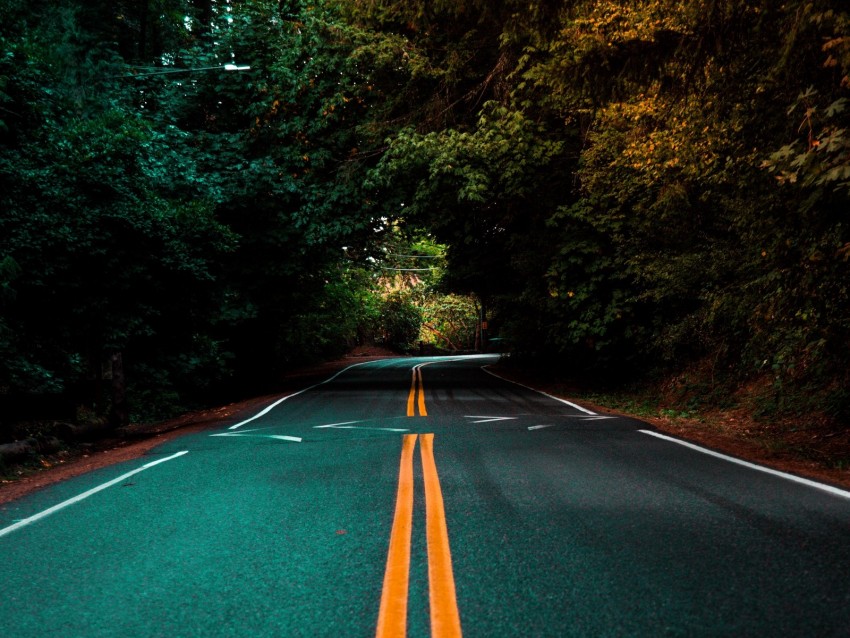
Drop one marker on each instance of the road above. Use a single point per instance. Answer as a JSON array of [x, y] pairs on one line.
[[426, 494]]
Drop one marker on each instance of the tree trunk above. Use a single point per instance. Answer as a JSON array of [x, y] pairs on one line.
[[142, 44], [204, 14]]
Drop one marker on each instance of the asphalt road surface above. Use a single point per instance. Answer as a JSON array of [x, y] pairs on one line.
[[426, 497]]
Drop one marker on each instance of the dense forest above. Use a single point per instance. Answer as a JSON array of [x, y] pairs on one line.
[[197, 194]]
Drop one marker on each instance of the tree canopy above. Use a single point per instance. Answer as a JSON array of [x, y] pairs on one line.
[[212, 187]]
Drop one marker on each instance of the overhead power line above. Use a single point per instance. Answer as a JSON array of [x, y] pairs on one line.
[[414, 256]]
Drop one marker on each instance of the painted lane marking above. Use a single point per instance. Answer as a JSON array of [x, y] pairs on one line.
[[392, 617], [820, 486], [246, 433], [359, 427], [85, 495], [491, 419], [422, 410], [569, 403], [266, 410], [411, 396], [416, 396], [417, 388], [271, 407], [540, 427], [445, 617], [336, 425]]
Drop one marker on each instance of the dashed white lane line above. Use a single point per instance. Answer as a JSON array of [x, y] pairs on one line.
[[796, 479], [84, 495]]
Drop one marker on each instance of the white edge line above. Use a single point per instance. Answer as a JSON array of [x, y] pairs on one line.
[[791, 477], [271, 407], [569, 403], [268, 409], [419, 366], [84, 495]]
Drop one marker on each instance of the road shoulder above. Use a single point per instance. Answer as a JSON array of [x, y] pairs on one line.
[[730, 432], [138, 439]]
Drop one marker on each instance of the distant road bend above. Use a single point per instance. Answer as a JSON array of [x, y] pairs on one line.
[[427, 497]]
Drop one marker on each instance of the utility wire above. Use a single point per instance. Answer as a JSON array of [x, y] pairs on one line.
[[415, 256]]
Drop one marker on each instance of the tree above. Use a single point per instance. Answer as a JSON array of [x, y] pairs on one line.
[[612, 181], [106, 259], [643, 224]]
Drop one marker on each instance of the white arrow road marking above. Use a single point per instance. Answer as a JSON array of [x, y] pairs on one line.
[[280, 437], [491, 419], [242, 433], [582, 418], [336, 425], [356, 427]]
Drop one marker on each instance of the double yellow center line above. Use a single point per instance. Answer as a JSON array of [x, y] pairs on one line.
[[416, 398], [392, 617]]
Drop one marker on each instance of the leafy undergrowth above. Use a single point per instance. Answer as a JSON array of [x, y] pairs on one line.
[[733, 420]]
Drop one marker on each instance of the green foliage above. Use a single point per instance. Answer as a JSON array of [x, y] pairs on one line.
[[450, 321], [401, 322], [653, 182], [103, 257], [288, 146], [666, 241]]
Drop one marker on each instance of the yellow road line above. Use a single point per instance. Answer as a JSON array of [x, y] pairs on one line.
[[411, 398], [445, 618], [422, 410], [392, 617], [416, 385]]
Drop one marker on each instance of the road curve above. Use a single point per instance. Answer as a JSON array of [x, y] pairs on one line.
[[426, 497]]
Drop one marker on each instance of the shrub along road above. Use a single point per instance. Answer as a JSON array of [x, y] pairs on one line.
[[426, 494]]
